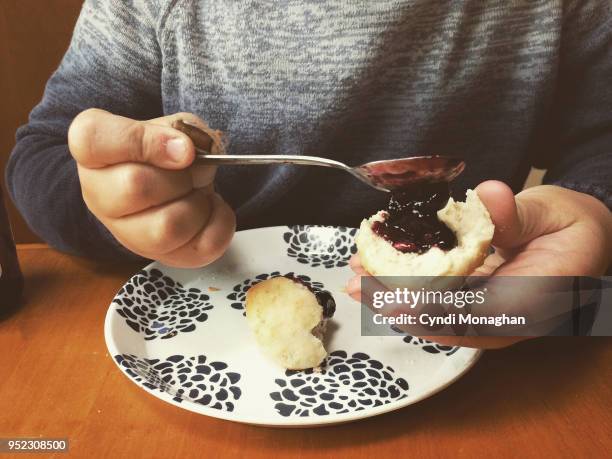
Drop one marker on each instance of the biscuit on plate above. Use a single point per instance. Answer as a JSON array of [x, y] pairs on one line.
[[288, 320]]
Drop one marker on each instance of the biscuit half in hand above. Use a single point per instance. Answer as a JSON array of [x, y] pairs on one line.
[[470, 224], [288, 320]]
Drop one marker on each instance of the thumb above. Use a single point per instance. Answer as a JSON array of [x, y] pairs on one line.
[[204, 138], [517, 220], [97, 139]]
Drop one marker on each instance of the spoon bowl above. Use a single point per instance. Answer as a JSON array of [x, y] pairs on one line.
[[394, 174]]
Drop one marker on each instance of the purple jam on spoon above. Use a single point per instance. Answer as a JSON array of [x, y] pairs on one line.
[[412, 223]]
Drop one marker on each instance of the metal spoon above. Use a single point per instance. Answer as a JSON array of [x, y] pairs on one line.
[[386, 175]]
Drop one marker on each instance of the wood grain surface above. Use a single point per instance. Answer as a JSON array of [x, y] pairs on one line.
[[545, 398]]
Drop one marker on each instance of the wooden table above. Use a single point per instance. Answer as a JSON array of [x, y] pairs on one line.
[[546, 398]]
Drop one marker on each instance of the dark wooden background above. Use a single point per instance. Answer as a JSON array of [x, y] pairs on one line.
[[34, 35]]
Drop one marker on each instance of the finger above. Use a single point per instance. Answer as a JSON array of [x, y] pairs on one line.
[[210, 243], [355, 264], [353, 287], [203, 138], [195, 131], [517, 221], [98, 138], [131, 188], [490, 264], [160, 230], [499, 200]]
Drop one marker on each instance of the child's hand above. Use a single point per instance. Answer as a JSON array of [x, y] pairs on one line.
[[543, 231], [136, 180]]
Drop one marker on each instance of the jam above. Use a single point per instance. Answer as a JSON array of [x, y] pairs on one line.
[[412, 224], [324, 298], [327, 302]]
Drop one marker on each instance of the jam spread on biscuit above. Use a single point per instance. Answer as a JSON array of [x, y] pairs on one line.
[[327, 303], [412, 223], [324, 298]]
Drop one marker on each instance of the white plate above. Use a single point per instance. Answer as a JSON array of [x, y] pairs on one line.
[[181, 335]]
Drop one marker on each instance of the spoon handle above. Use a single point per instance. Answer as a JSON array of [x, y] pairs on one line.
[[202, 157]]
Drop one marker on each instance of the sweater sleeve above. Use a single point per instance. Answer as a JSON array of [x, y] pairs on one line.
[[579, 153], [113, 63]]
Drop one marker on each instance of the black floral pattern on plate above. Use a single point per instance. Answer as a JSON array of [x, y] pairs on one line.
[[309, 247], [160, 307], [343, 384], [186, 378], [238, 295], [432, 348], [427, 346]]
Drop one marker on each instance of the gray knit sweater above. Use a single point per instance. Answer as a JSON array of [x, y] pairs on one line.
[[504, 84]]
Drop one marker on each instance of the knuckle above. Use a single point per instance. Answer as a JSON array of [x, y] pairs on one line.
[[165, 230], [134, 183], [82, 131], [215, 245], [91, 203], [137, 141], [89, 192], [88, 117]]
